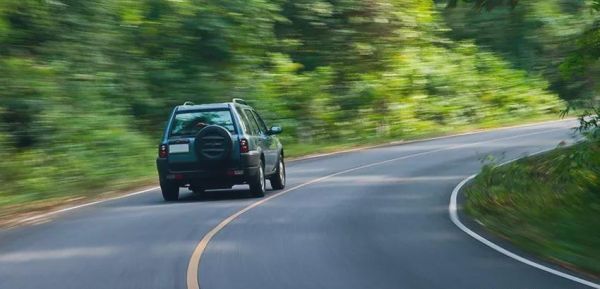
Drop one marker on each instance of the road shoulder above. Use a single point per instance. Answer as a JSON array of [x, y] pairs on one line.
[[479, 232]]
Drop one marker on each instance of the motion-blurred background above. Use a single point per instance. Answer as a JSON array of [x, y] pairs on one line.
[[87, 85]]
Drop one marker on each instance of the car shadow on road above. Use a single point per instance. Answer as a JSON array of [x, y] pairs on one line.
[[215, 195]]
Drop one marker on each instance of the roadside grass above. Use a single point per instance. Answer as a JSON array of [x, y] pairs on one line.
[[548, 205], [38, 186]]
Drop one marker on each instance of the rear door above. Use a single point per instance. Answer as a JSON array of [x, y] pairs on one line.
[[270, 142], [261, 138], [185, 126], [256, 139]]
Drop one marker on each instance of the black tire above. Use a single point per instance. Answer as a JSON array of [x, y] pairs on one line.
[[258, 184], [278, 179], [170, 191], [213, 143]]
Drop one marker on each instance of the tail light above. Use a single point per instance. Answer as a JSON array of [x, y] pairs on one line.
[[244, 148], [163, 151]]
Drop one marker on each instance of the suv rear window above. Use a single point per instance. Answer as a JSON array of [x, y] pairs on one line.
[[191, 122]]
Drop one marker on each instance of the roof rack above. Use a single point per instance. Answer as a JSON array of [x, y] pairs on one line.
[[239, 100], [188, 103]]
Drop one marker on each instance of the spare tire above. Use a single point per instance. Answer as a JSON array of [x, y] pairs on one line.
[[213, 143]]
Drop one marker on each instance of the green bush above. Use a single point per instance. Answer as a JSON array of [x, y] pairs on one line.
[[547, 204]]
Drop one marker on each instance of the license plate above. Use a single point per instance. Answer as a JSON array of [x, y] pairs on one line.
[[179, 148]]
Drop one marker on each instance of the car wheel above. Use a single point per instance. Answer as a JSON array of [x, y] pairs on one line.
[[278, 179], [257, 186], [170, 191]]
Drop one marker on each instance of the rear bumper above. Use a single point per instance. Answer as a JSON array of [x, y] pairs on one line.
[[214, 176]]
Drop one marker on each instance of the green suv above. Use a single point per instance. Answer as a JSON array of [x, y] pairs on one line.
[[217, 146]]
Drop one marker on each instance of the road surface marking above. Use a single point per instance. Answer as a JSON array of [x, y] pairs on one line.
[[45, 215], [453, 210], [193, 281], [41, 217]]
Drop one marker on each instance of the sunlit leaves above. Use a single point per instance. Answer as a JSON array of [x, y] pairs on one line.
[[87, 82]]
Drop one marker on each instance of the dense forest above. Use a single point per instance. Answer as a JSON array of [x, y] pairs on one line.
[[86, 85]]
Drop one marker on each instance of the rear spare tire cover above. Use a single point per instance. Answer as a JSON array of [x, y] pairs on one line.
[[213, 143]]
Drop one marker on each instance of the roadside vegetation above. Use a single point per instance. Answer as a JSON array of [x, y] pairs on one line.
[[548, 204], [86, 86]]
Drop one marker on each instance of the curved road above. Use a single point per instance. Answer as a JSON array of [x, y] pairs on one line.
[[382, 223]]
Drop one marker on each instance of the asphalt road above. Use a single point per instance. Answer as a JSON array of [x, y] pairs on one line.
[[383, 225]]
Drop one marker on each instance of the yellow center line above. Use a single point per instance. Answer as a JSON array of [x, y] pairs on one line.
[[194, 263]]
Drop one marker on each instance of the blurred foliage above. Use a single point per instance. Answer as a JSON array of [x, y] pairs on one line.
[[484, 4], [547, 204], [87, 85], [558, 39]]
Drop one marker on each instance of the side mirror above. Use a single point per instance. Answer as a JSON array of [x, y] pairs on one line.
[[275, 130]]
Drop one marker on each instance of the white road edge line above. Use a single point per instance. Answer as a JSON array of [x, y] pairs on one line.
[[48, 214], [45, 215], [192, 278], [453, 211]]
